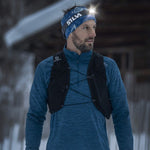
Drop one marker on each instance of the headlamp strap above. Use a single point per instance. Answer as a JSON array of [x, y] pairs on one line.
[[73, 18]]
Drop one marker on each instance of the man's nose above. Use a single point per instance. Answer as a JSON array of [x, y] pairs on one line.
[[92, 33]]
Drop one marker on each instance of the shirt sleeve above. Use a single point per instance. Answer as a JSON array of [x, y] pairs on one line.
[[37, 110], [120, 113]]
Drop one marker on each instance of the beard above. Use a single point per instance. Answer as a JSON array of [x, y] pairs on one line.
[[82, 46]]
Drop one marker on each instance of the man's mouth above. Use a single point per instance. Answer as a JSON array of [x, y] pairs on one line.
[[90, 40]]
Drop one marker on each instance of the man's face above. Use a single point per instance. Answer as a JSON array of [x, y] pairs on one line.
[[83, 37]]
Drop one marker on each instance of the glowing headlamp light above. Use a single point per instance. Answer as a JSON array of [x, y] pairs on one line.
[[92, 10]]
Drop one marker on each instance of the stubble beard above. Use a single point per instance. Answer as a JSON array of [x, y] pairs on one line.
[[81, 45]]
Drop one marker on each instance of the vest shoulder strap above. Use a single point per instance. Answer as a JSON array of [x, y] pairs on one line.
[[97, 84], [59, 82]]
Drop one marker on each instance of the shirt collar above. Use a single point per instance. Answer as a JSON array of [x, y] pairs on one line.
[[74, 56]]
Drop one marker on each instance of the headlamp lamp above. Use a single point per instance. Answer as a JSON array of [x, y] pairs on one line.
[[92, 10]]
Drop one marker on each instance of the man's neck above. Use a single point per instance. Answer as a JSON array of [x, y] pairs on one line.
[[73, 49]]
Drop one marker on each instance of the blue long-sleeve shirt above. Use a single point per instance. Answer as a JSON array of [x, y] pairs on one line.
[[82, 126]]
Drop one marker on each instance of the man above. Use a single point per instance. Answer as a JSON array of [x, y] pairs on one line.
[[78, 107]]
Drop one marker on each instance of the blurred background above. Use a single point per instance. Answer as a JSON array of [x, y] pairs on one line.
[[30, 32]]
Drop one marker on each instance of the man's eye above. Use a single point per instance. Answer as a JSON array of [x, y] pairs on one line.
[[86, 28]]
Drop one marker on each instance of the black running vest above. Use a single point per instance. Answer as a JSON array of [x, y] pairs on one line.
[[60, 79]]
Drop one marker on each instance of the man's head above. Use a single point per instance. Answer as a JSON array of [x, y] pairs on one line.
[[78, 27]]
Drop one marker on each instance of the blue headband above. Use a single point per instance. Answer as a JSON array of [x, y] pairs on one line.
[[74, 18]]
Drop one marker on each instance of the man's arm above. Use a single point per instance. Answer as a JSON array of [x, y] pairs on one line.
[[37, 110], [120, 113]]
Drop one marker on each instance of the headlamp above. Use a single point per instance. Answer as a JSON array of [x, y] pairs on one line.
[[76, 17]]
